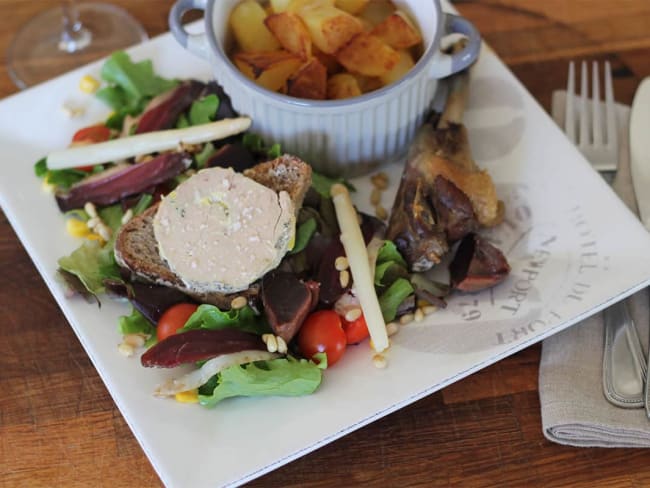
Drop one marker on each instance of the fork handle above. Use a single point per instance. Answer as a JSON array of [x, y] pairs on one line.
[[624, 363]]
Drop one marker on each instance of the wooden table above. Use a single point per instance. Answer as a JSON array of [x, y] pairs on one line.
[[59, 426]]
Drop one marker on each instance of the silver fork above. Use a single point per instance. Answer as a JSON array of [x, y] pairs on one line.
[[624, 365]]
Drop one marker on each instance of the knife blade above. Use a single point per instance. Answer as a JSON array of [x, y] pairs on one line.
[[640, 168], [640, 149]]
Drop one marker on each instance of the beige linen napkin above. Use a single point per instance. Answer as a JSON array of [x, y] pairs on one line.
[[574, 409]]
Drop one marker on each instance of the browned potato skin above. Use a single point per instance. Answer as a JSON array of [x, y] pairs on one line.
[[310, 81], [270, 69], [330, 28], [400, 69], [351, 6], [368, 42], [291, 33], [368, 55], [342, 85], [397, 32], [329, 61]]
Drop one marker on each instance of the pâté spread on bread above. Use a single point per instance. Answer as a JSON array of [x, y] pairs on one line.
[[235, 257]]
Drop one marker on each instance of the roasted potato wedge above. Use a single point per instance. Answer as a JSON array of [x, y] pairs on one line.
[[270, 69], [247, 24], [398, 31], [402, 67], [278, 6], [329, 61], [342, 85], [330, 28], [351, 6], [368, 83], [291, 32], [310, 81], [376, 11], [367, 55]]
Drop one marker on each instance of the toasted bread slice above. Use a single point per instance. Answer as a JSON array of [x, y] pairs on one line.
[[136, 248]]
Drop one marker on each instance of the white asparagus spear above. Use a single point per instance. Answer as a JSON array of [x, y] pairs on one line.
[[128, 147], [355, 250]]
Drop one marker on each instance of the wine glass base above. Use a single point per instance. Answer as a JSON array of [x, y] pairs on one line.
[[36, 53]]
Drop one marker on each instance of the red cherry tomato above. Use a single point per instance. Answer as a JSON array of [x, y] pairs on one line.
[[173, 319], [322, 332], [355, 331], [94, 133], [91, 135]]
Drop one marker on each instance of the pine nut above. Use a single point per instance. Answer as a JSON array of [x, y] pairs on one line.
[[418, 315], [90, 209], [392, 328], [379, 361], [381, 212], [103, 231], [375, 196], [271, 342], [341, 263], [406, 319], [128, 215], [282, 345], [429, 309], [93, 222], [238, 302], [134, 340], [353, 314], [380, 180], [344, 278], [126, 350]]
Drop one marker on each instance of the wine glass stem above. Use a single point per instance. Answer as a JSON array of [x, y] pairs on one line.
[[74, 36]]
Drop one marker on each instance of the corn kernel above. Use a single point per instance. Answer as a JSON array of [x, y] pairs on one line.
[[77, 228], [95, 237], [47, 186], [189, 396], [88, 84]]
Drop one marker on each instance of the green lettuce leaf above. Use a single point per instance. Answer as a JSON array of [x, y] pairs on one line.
[[210, 317], [134, 80], [304, 232], [205, 154], [130, 86], [390, 300], [136, 323], [143, 203], [277, 377], [253, 142], [388, 252], [204, 110], [91, 263], [323, 184]]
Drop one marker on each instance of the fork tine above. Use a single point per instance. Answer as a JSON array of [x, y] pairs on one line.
[[597, 127], [583, 136], [610, 108], [569, 106]]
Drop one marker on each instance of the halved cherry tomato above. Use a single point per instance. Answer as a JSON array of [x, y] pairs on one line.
[[322, 332], [94, 133], [91, 135], [173, 319], [355, 331]]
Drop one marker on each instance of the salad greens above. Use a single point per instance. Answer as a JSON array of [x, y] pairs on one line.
[[282, 376], [129, 88], [130, 85], [136, 323], [210, 317]]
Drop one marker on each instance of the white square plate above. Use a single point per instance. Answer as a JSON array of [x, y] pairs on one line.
[[573, 246]]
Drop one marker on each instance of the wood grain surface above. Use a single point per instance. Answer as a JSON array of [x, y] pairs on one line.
[[59, 426]]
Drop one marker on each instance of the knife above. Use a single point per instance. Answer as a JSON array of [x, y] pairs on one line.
[[640, 168]]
